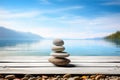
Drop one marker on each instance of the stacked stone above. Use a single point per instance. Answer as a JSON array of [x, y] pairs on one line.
[[59, 56]]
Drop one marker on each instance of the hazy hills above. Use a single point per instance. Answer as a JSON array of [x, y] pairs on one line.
[[114, 36], [9, 34]]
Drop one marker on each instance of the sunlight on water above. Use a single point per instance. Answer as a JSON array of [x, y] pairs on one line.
[[74, 47]]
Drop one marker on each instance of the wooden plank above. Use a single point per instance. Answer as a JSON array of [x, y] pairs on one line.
[[51, 65], [46, 61], [63, 70], [71, 57], [75, 59], [40, 65]]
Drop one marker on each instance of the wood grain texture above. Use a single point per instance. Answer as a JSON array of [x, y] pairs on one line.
[[78, 65]]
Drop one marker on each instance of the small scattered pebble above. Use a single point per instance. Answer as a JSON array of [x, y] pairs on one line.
[[17, 79], [28, 75], [32, 78], [98, 77], [76, 78], [25, 78], [1, 76], [39, 78], [84, 77], [59, 77], [44, 77], [67, 76], [55, 79], [92, 77], [10, 76]]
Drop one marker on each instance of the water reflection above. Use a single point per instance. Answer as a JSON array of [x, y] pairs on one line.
[[74, 47], [25, 47], [4, 43], [116, 42]]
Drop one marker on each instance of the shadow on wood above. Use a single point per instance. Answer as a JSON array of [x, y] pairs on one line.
[[68, 66]]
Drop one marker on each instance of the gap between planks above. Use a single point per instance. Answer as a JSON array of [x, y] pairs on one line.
[[51, 65], [57, 70]]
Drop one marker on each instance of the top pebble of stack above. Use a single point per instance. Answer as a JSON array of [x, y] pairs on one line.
[[58, 42]]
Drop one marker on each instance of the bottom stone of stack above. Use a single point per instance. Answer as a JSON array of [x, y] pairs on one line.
[[59, 61]]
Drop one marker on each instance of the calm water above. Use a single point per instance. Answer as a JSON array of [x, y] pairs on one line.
[[74, 47]]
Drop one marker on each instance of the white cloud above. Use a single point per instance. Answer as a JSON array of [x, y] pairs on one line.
[[69, 8], [80, 27], [66, 26], [112, 2], [61, 10], [107, 22], [65, 34], [6, 23], [8, 14], [18, 14]]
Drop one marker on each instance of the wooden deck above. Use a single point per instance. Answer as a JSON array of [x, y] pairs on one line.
[[78, 65]]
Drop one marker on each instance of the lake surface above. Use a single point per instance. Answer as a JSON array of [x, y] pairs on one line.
[[73, 47]]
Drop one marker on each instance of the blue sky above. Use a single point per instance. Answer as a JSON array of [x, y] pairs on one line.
[[73, 19]]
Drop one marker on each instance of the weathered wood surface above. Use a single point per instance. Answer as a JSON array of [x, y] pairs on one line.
[[79, 65]]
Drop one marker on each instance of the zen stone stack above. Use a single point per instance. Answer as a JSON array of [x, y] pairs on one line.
[[59, 56]]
